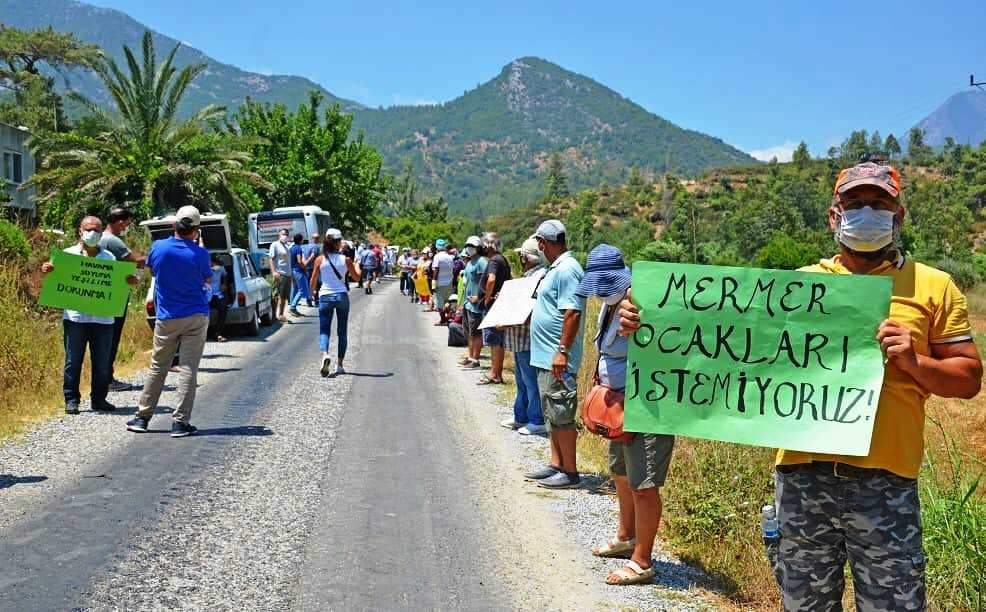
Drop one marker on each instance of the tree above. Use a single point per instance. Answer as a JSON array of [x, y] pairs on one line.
[[785, 253], [26, 60], [801, 156], [145, 154], [580, 222], [891, 146], [309, 157], [405, 189], [855, 147], [919, 152], [876, 143], [556, 185]]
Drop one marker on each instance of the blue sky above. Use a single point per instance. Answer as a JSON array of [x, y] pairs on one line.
[[759, 75]]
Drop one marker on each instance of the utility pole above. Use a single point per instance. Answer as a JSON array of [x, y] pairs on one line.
[[973, 83]]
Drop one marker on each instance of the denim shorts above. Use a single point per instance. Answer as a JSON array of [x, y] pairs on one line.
[[493, 336]]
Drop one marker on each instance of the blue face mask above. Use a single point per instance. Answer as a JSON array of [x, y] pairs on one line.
[[865, 230]]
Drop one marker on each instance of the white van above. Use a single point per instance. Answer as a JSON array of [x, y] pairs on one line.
[[263, 227], [249, 295]]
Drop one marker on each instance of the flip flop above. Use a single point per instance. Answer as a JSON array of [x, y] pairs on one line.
[[486, 380], [615, 549], [631, 573]]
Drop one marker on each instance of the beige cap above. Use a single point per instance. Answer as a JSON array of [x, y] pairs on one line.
[[530, 247], [188, 217]]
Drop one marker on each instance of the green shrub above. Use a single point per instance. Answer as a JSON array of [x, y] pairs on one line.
[[785, 253], [962, 272], [663, 250], [13, 242]]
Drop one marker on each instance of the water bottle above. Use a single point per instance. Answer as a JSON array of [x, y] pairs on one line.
[[769, 524], [771, 537]]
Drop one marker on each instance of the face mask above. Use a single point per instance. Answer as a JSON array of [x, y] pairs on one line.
[[283, 239], [613, 300], [865, 230], [470, 251], [91, 238]]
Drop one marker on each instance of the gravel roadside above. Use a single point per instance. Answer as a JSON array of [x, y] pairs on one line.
[[586, 516]]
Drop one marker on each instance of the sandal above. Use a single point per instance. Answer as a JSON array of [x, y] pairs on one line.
[[631, 573], [486, 380], [615, 549]]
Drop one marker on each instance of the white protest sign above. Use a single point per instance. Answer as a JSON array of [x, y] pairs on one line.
[[514, 304]]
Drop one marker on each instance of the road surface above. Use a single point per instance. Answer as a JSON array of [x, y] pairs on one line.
[[377, 490]]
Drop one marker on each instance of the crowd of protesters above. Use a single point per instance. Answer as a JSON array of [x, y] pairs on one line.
[[830, 509]]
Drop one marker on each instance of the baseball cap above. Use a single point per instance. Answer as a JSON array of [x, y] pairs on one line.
[[551, 230], [440, 243], [473, 241], [188, 217], [333, 234], [869, 173], [530, 247]]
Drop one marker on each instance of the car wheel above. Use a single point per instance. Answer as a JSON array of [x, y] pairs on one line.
[[253, 327], [267, 319]]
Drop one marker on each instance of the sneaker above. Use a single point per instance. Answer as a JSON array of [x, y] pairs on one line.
[[294, 313], [118, 385], [137, 425], [102, 406], [545, 472], [72, 407], [532, 430], [561, 480], [511, 424], [339, 370], [180, 430], [326, 361]]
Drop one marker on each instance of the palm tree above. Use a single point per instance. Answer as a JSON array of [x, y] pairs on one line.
[[142, 151]]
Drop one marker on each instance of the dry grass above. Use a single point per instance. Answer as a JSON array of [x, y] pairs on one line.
[[31, 354]]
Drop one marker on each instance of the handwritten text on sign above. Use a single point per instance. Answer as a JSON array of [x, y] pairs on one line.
[[762, 357], [87, 284]]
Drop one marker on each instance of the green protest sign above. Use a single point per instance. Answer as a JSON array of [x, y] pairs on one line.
[[87, 284], [761, 357]]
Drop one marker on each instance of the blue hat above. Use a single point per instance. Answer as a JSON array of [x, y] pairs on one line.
[[605, 273], [440, 243]]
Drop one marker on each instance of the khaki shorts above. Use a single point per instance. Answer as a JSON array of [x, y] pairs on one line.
[[644, 460], [282, 287], [558, 399], [442, 295]]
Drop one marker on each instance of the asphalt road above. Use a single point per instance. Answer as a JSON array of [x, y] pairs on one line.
[[380, 520]]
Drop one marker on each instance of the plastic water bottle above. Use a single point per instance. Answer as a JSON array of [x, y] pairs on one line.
[[769, 524], [771, 537]]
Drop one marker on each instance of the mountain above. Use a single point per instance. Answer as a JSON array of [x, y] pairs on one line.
[[962, 116], [111, 29], [487, 150]]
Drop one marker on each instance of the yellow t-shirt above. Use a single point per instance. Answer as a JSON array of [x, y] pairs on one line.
[[927, 302]]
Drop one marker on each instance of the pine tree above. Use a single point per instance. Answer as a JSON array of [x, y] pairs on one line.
[[891, 146], [556, 185], [801, 156]]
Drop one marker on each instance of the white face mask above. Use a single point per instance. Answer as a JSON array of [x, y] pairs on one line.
[[470, 251], [283, 239], [865, 230], [91, 238], [613, 300]]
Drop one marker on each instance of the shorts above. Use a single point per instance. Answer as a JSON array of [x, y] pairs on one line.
[[282, 287], [644, 460], [442, 295], [493, 336], [559, 401], [471, 321]]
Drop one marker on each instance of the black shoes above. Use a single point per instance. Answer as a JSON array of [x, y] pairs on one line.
[[180, 430], [118, 385], [137, 425], [103, 406], [72, 407]]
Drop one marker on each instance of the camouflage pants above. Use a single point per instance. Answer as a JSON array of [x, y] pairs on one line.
[[873, 521]]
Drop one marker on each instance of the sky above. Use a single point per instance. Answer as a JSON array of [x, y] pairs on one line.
[[760, 75]]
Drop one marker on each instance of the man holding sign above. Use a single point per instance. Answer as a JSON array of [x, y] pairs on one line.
[[864, 508], [82, 329]]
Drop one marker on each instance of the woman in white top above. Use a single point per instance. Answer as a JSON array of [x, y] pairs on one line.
[[333, 298]]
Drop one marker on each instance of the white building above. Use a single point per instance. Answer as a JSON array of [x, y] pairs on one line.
[[16, 166]]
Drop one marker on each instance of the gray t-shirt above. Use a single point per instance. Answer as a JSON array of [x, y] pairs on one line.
[[112, 243]]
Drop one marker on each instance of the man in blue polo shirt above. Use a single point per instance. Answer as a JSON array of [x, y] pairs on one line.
[[182, 288], [556, 352]]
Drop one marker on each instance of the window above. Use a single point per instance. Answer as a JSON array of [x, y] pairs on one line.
[[244, 267], [13, 169]]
